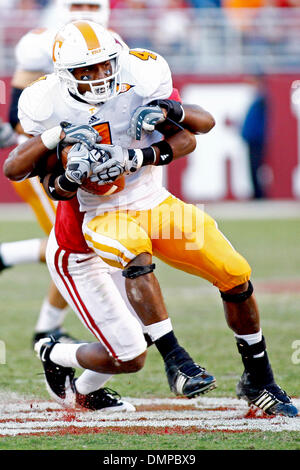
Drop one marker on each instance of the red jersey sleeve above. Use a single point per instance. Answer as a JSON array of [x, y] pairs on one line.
[[175, 95], [68, 227]]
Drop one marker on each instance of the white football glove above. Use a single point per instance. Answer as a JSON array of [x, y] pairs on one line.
[[83, 133], [145, 118], [7, 135], [80, 162], [111, 165], [117, 160]]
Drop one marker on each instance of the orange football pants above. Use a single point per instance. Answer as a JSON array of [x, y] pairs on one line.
[[32, 192], [179, 234]]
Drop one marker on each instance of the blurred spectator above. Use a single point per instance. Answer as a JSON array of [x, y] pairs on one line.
[[242, 13], [157, 4], [205, 3], [282, 3], [132, 4], [253, 131], [43, 3], [259, 3], [243, 3], [171, 26], [135, 30], [26, 4]]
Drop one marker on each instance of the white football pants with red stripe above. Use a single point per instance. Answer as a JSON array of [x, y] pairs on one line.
[[90, 287]]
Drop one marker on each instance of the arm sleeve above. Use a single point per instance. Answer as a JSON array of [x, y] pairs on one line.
[[29, 125], [31, 111]]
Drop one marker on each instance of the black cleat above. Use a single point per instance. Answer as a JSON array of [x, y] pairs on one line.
[[103, 399], [270, 398], [58, 334], [2, 265], [185, 377], [58, 378]]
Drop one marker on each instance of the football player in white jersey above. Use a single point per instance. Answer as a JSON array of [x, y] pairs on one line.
[[99, 305], [95, 87], [34, 59]]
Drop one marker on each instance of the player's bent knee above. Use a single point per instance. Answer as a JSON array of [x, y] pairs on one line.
[[139, 266], [237, 272], [134, 365], [238, 294]]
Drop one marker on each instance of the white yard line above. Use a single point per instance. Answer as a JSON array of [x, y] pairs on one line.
[[212, 414]]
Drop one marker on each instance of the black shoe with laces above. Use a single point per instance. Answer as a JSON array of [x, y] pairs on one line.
[[58, 378], [257, 384], [58, 334], [104, 399], [270, 398], [185, 377]]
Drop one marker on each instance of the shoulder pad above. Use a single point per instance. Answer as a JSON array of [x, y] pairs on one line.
[[36, 100], [33, 51], [150, 73], [118, 39]]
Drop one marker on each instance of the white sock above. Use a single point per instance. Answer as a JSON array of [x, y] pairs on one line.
[[159, 329], [89, 381], [252, 339], [50, 317], [65, 355], [25, 251]]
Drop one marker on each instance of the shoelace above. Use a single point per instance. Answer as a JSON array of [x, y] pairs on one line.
[[191, 369], [275, 390]]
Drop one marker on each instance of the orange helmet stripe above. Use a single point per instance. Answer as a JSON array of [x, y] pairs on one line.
[[57, 45], [89, 35]]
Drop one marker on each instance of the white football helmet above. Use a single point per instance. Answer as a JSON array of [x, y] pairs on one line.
[[84, 43], [98, 16]]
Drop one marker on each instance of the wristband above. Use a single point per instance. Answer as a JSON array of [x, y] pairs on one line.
[[51, 137], [66, 185], [141, 157], [166, 152], [149, 156], [183, 115]]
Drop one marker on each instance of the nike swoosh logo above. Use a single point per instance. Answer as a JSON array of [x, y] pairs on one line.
[[85, 259]]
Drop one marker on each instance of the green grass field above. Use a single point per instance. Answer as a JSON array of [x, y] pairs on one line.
[[271, 247]]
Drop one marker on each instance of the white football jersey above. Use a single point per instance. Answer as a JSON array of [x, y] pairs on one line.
[[34, 50], [145, 76]]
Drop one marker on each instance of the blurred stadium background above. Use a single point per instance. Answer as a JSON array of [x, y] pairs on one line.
[[225, 55], [222, 53]]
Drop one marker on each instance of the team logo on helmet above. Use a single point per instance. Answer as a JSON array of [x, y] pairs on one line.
[[82, 44]]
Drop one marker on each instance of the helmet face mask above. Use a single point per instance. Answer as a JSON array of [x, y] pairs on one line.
[[81, 45], [97, 90]]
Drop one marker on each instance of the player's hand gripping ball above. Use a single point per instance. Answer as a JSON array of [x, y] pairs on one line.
[[94, 187]]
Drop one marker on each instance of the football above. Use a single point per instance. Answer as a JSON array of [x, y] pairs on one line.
[[92, 187]]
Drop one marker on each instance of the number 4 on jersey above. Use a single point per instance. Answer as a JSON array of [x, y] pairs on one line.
[[143, 55]]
